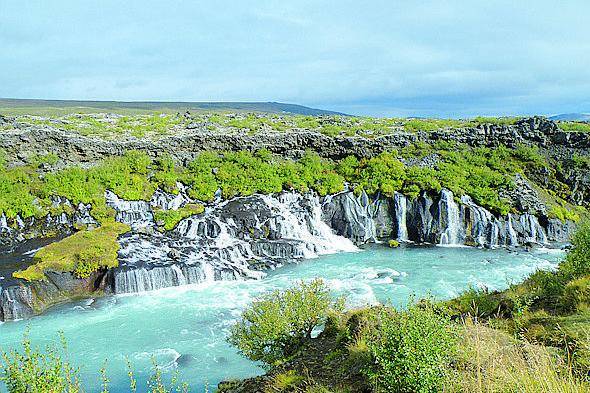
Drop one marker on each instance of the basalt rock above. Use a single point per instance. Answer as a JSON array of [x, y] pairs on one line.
[[242, 237]]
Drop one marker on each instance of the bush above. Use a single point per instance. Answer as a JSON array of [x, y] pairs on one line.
[[275, 326], [577, 262], [34, 371], [476, 302], [412, 350], [169, 218]]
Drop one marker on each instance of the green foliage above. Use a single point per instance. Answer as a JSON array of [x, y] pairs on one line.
[[31, 370], [563, 213], [412, 350], [81, 253], [494, 120], [476, 302], [286, 382], [275, 326], [577, 261], [478, 172], [576, 295], [45, 159], [109, 126], [169, 218], [574, 126], [15, 192]]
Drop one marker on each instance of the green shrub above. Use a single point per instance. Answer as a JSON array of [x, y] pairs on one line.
[[393, 243], [476, 302], [31, 370], [275, 326], [412, 350], [577, 261], [574, 126]]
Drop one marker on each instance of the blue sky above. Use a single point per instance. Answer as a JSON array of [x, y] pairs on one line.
[[395, 58]]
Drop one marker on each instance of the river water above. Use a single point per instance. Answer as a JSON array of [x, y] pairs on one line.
[[184, 328]]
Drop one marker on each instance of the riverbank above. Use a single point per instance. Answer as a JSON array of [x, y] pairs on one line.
[[531, 337]]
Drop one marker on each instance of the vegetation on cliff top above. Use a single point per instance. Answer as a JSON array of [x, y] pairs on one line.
[[485, 174], [166, 123]]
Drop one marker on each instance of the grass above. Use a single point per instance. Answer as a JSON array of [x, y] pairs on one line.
[[110, 126], [574, 126], [493, 361], [81, 253], [165, 121]]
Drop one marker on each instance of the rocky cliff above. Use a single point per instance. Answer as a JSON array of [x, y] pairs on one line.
[[242, 237]]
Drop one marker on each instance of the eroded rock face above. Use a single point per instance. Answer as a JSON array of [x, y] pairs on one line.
[[184, 145], [437, 219]]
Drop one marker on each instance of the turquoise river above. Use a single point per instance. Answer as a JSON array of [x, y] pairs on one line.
[[184, 328]]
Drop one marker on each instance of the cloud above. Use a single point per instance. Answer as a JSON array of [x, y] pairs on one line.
[[427, 58]]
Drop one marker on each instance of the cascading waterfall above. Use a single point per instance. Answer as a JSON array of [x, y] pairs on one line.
[[164, 200], [305, 224], [534, 232], [134, 213], [449, 216], [511, 236], [401, 211], [226, 242]]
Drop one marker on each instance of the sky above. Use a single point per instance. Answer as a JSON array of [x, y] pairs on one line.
[[381, 58]]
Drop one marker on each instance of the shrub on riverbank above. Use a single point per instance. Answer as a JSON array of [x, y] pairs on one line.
[[275, 326], [32, 370], [551, 308], [411, 350], [532, 337]]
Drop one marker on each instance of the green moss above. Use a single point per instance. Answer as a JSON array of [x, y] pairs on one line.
[[81, 253], [393, 243], [169, 218]]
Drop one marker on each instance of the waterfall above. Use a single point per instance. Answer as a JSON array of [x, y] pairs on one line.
[[291, 221], [134, 213], [164, 200], [533, 231], [485, 229], [510, 232], [3, 223], [232, 240], [352, 217], [449, 216], [401, 211], [149, 279]]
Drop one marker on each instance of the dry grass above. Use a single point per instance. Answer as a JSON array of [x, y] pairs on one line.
[[492, 361]]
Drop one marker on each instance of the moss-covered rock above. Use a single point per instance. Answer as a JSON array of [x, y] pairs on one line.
[[82, 253]]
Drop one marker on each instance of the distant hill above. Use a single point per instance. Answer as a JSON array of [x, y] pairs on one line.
[[26, 106], [572, 117]]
